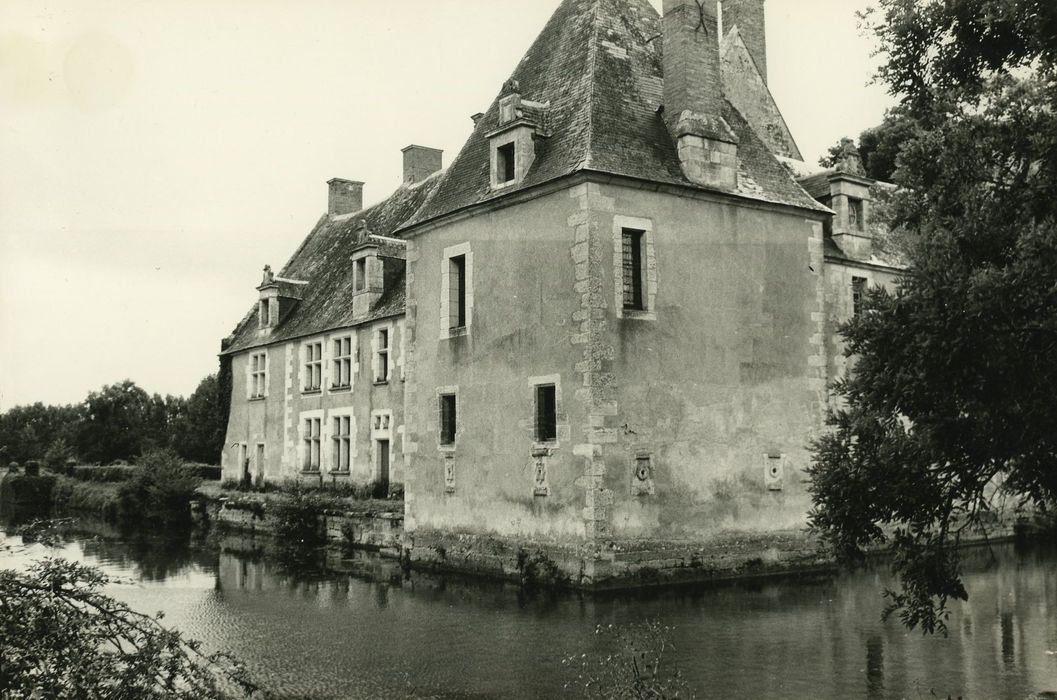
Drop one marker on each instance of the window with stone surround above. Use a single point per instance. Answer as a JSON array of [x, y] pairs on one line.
[[448, 418], [258, 375], [311, 438], [341, 443], [505, 163], [360, 275], [546, 413], [855, 214], [313, 375], [634, 268], [858, 292], [456, 293], [631, 256], [381, 356], [342, 363], [264, 316]]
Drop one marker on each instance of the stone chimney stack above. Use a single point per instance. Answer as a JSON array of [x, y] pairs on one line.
[[420, 162], [748, 17], [346, 197], [693, 93]]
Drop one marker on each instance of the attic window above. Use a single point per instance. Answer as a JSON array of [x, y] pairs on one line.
[[504, 163], [264, 316], [361, 275], [855, 214]]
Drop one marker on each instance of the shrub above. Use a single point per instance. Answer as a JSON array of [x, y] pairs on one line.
[[161, 488], [111, 474], [91, 497], [297, 517]]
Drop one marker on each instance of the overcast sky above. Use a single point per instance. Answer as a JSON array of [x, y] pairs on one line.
[[156, 154]]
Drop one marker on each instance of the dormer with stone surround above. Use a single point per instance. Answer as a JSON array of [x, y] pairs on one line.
[[512, 144], [278, 297], [845, 189], [377, 265]]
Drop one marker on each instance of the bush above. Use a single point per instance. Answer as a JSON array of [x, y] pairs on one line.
[[161, 488], [298, 516], [111, 474], [71, 494]]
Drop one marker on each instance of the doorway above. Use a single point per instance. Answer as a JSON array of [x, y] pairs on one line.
[[383, 467]]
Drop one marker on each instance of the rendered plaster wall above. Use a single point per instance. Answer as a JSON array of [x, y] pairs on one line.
[[277, 420], [717, 384], [496, 479]]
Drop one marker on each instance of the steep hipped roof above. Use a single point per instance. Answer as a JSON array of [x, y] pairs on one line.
[[597, 63], [324, 260]]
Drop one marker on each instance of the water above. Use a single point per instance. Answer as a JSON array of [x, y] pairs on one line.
[[360, 629]]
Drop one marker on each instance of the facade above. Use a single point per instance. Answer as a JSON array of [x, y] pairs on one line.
[[603, 334]]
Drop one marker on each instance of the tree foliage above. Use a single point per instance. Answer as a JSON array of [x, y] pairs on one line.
[[61, 637], [27, 432], [198, 432], [948, 411]]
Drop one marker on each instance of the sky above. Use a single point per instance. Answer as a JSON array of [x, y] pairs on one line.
[[156, 154]]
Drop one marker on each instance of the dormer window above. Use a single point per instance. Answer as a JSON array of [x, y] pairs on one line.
[[264, 314], [361, 275], [505, 163], [855, 214]]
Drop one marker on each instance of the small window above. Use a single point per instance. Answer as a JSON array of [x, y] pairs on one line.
[[546, 413], [632, 256], [457, 292], [504, 163], [264, 314], [342, 444], [313, 366], [382, 364], [858, 293], [311, 439], [258, 375], [360, 282], [855, 214], [342, 363], [448, 419]]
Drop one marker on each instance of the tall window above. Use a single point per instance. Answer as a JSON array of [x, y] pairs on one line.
[[448, 419], [311, 437], [382, 356], [342, 363], [258, 375], [457, 292], [546, 413], [360, 282], [632, 256], [504, 163], [264, 316], [313, 366], [342, 443], [858, 293], [855, 214]]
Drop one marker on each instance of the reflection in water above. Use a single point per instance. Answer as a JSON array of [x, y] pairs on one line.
[[359, 627]]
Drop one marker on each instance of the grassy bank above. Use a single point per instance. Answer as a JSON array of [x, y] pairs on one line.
[[95, 497]]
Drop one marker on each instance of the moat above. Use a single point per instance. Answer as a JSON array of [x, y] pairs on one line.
[[360, 627]]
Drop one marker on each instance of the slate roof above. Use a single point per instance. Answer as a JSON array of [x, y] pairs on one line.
[[597, 66], [598, 63], [324, 261]]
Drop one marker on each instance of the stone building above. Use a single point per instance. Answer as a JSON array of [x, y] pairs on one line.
[[603, 334]]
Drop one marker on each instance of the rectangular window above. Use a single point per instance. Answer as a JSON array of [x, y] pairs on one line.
[[313, 366], [342, 444], [360, 282], [504, 163], [855, 214], [858, 293], [263, 313], [342, 363], [448, 419], [311, 437], [258, 375], [457, 292], [632, 256], [546, 413], [382, 364]]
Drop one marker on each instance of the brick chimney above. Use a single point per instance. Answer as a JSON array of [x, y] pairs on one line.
[[693, 93], [346, 197], [748, 17], [420, 162]]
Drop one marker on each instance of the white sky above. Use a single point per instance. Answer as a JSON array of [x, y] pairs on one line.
[[155, 154]]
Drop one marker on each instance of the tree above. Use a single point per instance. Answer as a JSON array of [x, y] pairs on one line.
[[198, 433], [948, 412], [60, 637], [878, 147], [121, 420], [27, 432]]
